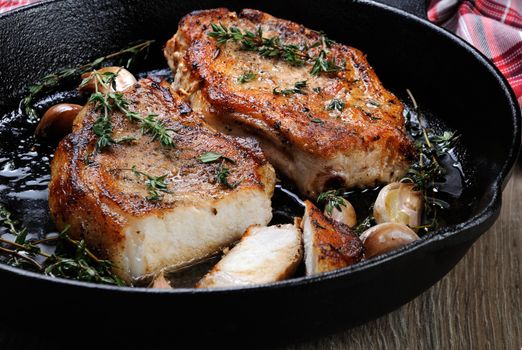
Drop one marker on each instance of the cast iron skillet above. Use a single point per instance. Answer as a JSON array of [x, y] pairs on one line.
[[450, 78]]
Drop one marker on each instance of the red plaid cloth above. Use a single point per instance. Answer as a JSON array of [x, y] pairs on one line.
[[7, 5], [493, 27]]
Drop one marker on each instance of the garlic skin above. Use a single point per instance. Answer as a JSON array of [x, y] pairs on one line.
[[346, 215], [400, 203], [57, 121], [386, 237], [123, 80]]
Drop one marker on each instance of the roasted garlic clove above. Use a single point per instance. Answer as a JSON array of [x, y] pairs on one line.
[[346, 215], [400, 203], [386, 237], [57, 121], [123, 80]]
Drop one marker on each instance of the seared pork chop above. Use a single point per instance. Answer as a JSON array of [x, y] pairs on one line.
[[107, 197], [329, 245], [318, 109], [264, 254]]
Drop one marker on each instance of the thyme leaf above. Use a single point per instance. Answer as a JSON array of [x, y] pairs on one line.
[[210, 157], [155, 184], [332, 199], [324, 65], [428, 169], [115, 101], [247, 77], [296, 55], [368, 222], [52, 81], [72, 259], [297, 89], [222, 176], [335, 104]]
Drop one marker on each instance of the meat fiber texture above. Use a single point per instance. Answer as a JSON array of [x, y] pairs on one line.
[[264, 254]]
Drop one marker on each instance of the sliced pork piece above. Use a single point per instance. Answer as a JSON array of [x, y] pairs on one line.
[[329, 245], [337, 127], [108, 200], [264, 254]]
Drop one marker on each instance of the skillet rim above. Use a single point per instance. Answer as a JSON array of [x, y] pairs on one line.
[[490, 212]]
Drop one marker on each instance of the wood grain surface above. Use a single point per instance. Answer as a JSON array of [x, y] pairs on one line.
[[478, 305]]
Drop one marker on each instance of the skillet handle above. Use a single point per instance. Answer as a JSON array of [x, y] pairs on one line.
[[418, 8]]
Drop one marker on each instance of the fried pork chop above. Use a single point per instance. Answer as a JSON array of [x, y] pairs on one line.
[[329, 245], [264, 254], [336, 127], [106, 197]]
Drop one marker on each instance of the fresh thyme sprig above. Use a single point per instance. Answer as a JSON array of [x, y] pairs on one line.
[[151, 125], [52, 81], [297, 89], [222, 172], [266, 47], [296, 55], [322, 64], [332, 199], [209, 157], [428, 168], [71, 259], [222, 176], [368, 222], [335, 104], [109, 101], [155, 184], [247, 77], [5, 217], [430, 147]]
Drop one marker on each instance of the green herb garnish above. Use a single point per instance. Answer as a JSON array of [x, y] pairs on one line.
[[297, 89], [275, 48], [332, 199], [51, 81], [266, 47], [110, 101], [222, 176], [155, 184], [368, 222], [324, 65], [335, 104], [428, 169], [71, 259], [247, 77], [210, 157]]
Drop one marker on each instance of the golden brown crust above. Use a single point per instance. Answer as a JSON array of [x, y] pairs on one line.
[[334, 244], [96, 192], [372, 116]]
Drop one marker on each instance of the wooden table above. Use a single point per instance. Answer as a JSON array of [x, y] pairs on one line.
[[478, 305]]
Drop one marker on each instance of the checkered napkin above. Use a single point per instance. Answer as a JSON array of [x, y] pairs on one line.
[[493, 27], [7, 5]]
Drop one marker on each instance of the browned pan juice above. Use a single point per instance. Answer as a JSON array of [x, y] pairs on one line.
[[25, 174]]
